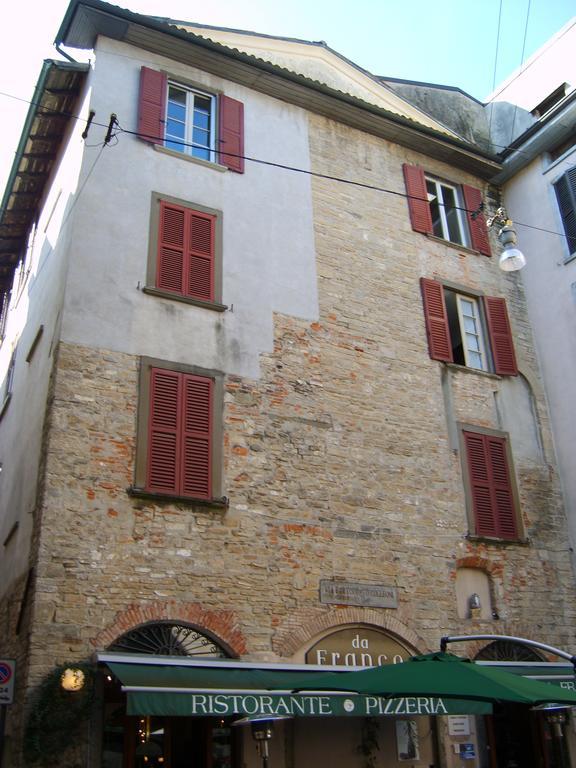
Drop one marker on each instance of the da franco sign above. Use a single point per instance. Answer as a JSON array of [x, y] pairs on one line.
[[357, 647], [7, 669]]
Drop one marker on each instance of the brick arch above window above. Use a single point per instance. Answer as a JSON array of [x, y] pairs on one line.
[[298, 633], [481, 563], [222, 626]]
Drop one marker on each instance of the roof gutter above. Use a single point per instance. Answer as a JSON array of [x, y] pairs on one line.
[[38, 90], [47, 66], [540, 137]]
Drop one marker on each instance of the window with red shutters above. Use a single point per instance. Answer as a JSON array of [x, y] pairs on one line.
[[437, 330], [500, 336], [152, 105], [476, 221], [186, 252], [418, 204], [231, 133], [446, 210], [468, 330], [185, 120], [490, 483], [180, 430]]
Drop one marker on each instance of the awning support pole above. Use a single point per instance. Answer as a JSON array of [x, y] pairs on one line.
[[533, 643]]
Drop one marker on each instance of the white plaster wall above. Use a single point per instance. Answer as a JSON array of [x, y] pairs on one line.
[[550, 283], [268, 241], [552, 64], [38, 302]]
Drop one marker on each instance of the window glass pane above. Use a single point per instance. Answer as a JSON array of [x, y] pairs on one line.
[[451, 213], [201, 152], [201, 119], [177, 111], [472, 342], [201, 137], [469, 320], [434, 208], [202, 103], [475, 360], [175, 129], [176, 95], [189, 121]]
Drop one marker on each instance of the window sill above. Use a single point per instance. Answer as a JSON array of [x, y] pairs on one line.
[[477, 371], [190, 158], [450, 244], [4, 406], [140, 493], [214, 305], [500, 542]]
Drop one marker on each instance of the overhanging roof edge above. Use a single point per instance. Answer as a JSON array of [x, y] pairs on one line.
[[486, 164]]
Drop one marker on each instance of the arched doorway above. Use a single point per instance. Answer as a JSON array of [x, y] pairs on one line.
[[516, 736], [164, 742]]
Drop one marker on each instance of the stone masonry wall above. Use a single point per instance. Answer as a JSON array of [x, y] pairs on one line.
[[338, 461]]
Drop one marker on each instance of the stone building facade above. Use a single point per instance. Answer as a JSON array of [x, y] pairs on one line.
[[340, 453]]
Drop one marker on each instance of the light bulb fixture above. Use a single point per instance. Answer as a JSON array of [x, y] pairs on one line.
[[512, 259], [72, 679]]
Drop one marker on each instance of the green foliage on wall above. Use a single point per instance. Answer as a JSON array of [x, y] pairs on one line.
[[55, 716], [369, 742]]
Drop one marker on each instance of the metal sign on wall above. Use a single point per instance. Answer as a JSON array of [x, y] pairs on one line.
[[7, 670], [352, 593], [357, 647]]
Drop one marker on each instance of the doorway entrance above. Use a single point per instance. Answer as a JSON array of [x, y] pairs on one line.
[[147, 741]]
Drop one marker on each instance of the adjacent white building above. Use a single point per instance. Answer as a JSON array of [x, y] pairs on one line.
[[539, 191]]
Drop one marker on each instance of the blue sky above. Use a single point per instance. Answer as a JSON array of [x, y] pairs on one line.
[[450, 41]]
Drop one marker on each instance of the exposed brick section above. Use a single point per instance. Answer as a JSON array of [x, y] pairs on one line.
[[295, 635], [221, 623], [338, 462]]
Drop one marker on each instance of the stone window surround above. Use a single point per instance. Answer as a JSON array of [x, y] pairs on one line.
[[522, 538], [218, 500], [475, 293], [150, 286]]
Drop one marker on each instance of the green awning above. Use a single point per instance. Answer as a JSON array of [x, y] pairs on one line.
[[186, 687]]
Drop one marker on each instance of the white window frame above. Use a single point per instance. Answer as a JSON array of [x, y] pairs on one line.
[[439, 187], [189, 146], [477, 333]]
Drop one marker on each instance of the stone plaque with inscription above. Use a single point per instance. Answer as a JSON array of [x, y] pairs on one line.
[[350, 593]]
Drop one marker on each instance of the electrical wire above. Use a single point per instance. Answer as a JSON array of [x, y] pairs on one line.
[[495, 65], [84, 182], [161, 139], [338, 179], [521, 62], [272, 164]]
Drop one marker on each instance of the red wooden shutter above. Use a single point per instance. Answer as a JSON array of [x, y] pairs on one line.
[[418, 205], [163, 462], [231, 133], [171, 247], [477, 226], [500, 336], [197, 437], [152, 105], [502, 488], [436, 318], [490, 486], [199, 273], [186, 248], [180, 434]]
